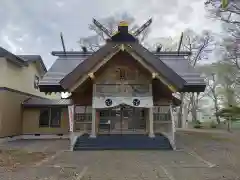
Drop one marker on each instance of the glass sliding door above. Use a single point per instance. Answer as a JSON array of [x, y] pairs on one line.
[[122, 119]]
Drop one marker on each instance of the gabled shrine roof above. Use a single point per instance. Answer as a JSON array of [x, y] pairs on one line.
[[66, 63]]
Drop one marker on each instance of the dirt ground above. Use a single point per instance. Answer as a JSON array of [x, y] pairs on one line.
[[199, 156]]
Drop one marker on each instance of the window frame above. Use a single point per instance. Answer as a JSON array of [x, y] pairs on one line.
[[41, 120], [50, 119]]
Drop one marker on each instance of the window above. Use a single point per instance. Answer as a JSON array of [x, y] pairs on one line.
[[55, 117], [36, 82], [44, 118], [50, 117]]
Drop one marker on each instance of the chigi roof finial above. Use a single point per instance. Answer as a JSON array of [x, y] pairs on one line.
[[122, 35]]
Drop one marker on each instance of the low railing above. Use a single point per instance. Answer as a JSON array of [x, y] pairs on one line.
[[125, 90], [162, 120], [82, 119], [83, 126]]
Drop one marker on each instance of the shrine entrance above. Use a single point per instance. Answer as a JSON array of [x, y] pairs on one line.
[[122, 119]]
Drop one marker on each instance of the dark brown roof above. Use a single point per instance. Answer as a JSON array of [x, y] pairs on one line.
[[110, 47], [43, 102], [157, 64], [66, 63], [88, 64]]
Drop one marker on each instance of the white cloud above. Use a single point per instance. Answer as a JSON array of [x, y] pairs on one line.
[[11, 46], [33, 27], [60, 4]]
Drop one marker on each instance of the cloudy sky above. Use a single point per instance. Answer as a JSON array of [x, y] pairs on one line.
[[33, 26]]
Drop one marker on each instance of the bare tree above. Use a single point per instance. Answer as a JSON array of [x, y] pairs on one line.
[[212, 84], [221, 85], [229, 15], [230, 18], [229, 86], [211, 72], [229, 47], [200, 46]]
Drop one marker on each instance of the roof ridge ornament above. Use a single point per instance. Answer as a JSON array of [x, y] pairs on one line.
[[142, 28], [123, 33], [102, 28]]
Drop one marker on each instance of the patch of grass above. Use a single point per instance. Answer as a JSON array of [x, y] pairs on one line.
[[197, 125], [15, 158]]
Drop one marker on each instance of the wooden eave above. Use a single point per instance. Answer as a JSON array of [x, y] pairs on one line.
[[156, 64]]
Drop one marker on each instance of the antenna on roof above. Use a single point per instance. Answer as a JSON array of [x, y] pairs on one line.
[[101, 27], [63, 45], [180, 43], [143, 27]]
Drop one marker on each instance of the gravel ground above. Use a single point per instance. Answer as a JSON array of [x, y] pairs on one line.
[[44, 145], [200, 156], [221, 149], [15, 158]]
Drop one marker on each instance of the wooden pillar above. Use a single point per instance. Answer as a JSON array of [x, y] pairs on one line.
[[146, 117], [74, 118], [93, 132], [93, 129], [150, 119], [97, 121]]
